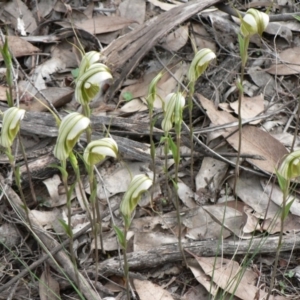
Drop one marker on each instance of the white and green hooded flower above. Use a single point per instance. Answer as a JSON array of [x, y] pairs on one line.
[[97, 150], [70, 129], [200, 63], [11, 125], [254, 22], [91, 75], [173, 106], [139, 184]]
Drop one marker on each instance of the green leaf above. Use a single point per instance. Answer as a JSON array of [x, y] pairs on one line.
[[283, 182], [120, 236], [174, 149], [66, 228], [127, 96], [75, 73], [297, 18], [287, 209], [61, 169]]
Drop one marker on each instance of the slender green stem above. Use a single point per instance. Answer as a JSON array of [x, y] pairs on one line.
[[18, 182], [152, 153], [69, 204], [126, 267], [87, 113], [244, 57], [28, 171], [282, 218], [190, 106], [166, 148], [177, 161]]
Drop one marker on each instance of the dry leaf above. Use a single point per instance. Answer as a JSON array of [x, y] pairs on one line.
[[102, 24], [287, 64], [163, 5], [186, 195], [281, 30], [137, 14], [249, 190], [228, 275], [176, 39], [48, 286], [251, 107], [211, 174], [258, 142], [228, 217], [148, 290], [144, 241], [3, 90], [276, 195], [58, 96], [263, 80], [19, 47], [202, 39], [254, 140], [13, 10], [9, 235]]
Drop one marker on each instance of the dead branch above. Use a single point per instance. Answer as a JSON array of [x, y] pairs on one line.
[[127, 51], [142, 260]]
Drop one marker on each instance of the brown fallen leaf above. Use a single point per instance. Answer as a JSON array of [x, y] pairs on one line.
[[48, 286], [231, 277], [251, 107], [287, 64], [58, 96], [19, 47], [258, 142], [254, 140], [148, 290], [3, 90], [176, 39], [103, 24]]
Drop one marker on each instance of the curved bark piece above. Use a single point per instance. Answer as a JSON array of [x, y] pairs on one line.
[[124, 54]]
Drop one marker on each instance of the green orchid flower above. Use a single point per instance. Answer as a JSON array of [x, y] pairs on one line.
[[173, 103], [11, 125], [139, 184], [70, 129], [87, 60], [200, 63], [96, 151], [254, 22], [290, 167], [90, 77]]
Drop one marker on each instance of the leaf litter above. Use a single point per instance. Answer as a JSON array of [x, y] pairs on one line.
[[207, 212]]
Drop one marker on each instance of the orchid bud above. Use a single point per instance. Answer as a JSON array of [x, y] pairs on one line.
[[139, 184], [96, 151], [152, 88], [70, 129], [254, 22], [200, 63], [173, 103], [11, 125]]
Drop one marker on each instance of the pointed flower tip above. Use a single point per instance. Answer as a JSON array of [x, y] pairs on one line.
[[70, 129], [254, 22], [11, 125]]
